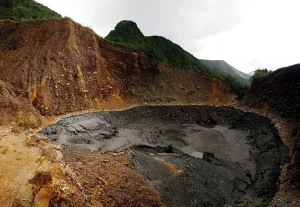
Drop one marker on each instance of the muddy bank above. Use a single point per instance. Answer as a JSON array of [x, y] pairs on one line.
[[193, 155]]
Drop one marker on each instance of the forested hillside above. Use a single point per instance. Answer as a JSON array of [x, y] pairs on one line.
[[223, 67]]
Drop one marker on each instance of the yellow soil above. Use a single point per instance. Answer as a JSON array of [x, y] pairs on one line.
[[18, 164], [31, 173], [173, 168]]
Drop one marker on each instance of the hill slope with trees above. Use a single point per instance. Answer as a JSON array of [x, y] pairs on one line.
[[223, 67], [25, 10], [160, 49]]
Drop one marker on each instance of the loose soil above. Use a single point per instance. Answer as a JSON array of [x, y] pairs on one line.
[[18, 164], [59, 66], [241, 153]]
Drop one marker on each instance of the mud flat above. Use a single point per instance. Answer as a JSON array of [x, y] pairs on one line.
[[192, 155]]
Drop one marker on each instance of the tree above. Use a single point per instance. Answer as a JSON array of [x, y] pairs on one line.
[[259, 73]]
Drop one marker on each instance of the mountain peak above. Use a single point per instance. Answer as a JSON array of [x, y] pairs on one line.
[[127, 23], [158, 48], [126, 31], [161, 49]]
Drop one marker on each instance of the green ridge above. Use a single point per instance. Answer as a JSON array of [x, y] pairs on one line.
[[159, 48], [25, 10], [128, 34], [223, 67]]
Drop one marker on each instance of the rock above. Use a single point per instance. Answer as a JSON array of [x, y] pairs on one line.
[[34, 139], [45, 166], [25, 192]]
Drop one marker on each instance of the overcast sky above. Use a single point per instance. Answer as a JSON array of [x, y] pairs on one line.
[[248, 34]]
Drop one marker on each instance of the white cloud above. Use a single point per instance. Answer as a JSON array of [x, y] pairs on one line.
[[246, 33], [267, 36]]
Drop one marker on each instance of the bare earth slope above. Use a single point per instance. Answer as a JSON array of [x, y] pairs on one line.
[[62, 67], [16, 109], [278, 92], [277, 96]]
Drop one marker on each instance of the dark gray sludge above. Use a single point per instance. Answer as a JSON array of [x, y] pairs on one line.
[[241, 152]]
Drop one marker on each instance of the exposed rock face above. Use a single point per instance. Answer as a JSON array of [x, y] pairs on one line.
[[60, 67]]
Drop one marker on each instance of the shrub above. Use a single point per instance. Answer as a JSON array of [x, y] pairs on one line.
[[259, 73]]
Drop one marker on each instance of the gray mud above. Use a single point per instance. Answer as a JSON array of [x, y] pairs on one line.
[[223, 156]]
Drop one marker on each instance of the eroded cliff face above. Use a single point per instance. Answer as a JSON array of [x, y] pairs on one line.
[[60, 67]]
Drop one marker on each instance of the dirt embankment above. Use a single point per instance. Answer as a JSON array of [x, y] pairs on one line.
[[16, 109], [279, 93], [58, 66], [241, 165], [277, 97]]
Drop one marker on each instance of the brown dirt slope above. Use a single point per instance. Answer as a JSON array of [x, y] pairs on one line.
[[16, 109], [61, 67]]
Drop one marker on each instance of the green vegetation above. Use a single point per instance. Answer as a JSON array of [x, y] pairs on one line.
[[158, 48], [259, 73], [241, 89], [223, 67], [25, 10], [128, 34]]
